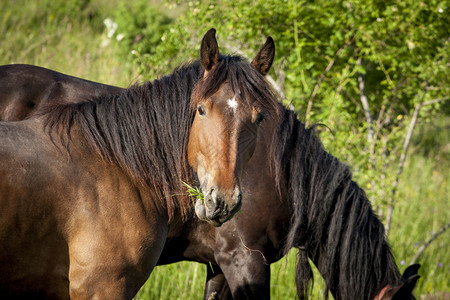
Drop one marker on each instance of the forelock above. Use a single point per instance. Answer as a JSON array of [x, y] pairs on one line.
[[245, 81]]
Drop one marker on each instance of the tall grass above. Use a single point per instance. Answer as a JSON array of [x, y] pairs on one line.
[[66, 36], [70, 37]]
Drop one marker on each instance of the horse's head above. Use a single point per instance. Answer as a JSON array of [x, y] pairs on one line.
[[231, 101]]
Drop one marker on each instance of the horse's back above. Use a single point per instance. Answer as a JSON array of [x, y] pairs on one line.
[[24, 89]]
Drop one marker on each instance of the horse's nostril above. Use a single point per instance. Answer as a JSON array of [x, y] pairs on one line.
[[239, 198], [210, 202]]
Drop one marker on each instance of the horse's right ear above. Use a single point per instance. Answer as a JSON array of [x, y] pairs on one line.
[[209, 52], [264, 59]]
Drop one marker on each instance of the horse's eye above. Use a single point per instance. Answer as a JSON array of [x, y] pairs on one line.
[[260, 118], [201, 110]]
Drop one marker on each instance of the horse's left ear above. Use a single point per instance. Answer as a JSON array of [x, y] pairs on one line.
[[264, 59], [209, 51]]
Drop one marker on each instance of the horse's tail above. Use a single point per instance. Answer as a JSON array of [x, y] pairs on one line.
[[304, 278]]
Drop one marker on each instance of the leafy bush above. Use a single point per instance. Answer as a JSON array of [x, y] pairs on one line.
[[138, 28]]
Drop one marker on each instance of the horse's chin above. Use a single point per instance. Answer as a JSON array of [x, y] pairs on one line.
[[200, 211]]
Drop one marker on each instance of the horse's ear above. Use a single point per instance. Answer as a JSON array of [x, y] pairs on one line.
[[209, 52], [264, 59], [410, 271], [403, 291]]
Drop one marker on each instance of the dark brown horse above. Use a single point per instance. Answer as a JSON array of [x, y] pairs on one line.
[[88, 190], [306, 200]]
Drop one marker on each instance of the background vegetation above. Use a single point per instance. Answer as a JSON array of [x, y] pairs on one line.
[[376, 73]]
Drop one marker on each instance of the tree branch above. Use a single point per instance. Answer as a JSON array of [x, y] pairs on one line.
[[401, 163], [365, 104], [434, 101], [403, 155], [433, 237], [387, 103], [384, 166], [276, 87]]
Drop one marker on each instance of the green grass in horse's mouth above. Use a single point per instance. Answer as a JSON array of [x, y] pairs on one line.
[[194, 192]]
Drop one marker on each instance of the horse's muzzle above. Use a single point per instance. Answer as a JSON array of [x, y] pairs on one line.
[[215, 210]]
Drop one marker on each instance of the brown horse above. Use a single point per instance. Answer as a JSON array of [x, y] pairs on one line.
[[88, 190], [302, 190]]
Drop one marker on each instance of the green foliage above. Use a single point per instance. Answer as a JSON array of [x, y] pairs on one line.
[[140, 27]]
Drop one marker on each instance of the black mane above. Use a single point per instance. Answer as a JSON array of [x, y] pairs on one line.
[[332, 220]]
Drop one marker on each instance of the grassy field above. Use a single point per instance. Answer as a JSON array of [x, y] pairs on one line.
[[74, 41], [62, 38]]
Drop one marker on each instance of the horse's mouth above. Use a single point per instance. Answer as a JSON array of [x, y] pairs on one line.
[[219, 216], [200, 211]]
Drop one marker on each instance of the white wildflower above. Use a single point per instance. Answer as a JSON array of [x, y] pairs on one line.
[[111, 27], [120, 37]]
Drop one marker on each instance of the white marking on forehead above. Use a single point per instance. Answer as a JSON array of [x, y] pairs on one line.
[[232, 103]]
